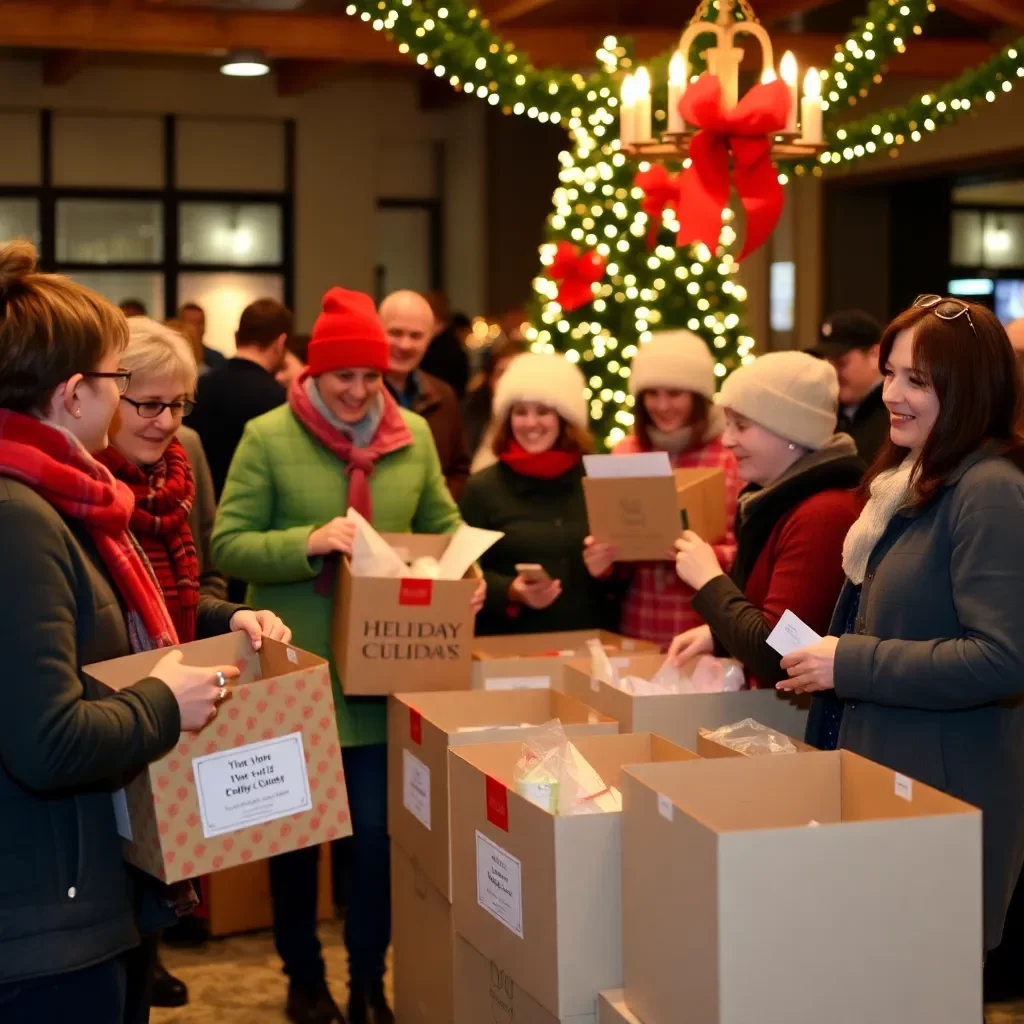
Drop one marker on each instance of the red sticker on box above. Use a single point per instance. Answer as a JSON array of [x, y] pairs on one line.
[[415, 592], [497, 804], [415, 726]]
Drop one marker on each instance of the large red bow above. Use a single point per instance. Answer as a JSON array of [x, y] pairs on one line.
[[661, 192], [745, 132], [574, 274]]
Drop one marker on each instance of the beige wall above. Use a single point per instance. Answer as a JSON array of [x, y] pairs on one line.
[[356, 139]]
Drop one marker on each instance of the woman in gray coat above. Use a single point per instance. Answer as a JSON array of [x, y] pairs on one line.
[[928, 644]]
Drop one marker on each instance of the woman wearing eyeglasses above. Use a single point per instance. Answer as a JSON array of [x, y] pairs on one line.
[[927, 651], [168, 521]]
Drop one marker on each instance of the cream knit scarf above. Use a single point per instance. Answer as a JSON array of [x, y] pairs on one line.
[[889, 493]]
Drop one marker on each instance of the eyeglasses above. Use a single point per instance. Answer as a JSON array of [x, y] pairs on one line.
[[121, 377], [150, 410], [945, 309]]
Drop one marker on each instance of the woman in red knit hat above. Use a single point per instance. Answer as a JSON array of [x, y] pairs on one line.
[[340, 442]]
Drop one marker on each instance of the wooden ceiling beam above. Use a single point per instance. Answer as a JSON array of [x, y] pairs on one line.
[[296, 77], [60, 66], [1001, 12], [513, 9]]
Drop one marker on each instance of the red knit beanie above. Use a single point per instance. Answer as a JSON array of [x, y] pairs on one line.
[[347, 334]]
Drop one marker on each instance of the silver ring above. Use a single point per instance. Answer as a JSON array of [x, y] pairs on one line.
[[223, 684]]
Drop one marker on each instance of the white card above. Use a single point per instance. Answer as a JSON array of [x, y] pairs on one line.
[[904, 787], [252, 784], [619, 466], [791, 634], [416, 788], [124, 824], [518, 683], [499, 884]]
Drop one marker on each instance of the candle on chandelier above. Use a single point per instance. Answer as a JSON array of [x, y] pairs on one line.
[[810, 108], [627, 111], [677, 74], [642, 120], [788, 73]]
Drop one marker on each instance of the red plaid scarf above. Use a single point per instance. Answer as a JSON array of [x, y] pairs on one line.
[[60, 470], [164, 495]]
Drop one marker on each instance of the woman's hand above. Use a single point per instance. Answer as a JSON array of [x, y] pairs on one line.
[[811, 668], [598, 558], [690, 644], [337, 536], [197, 690], [696, 561], [534, 595], [258, 625], [479, 596]]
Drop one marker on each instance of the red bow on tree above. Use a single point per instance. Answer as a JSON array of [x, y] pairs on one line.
[[745, 132], [574, 274], [661, 192]]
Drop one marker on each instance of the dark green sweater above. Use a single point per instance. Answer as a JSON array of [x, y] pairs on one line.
[[543, 521]]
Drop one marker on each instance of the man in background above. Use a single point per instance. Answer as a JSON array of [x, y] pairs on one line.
[[849, 340], [194, 317], [445, 357], [244, 387], [408, 322], [134, 307], [296, 356]]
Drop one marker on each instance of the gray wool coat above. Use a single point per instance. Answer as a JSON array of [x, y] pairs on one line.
[[933, 675]]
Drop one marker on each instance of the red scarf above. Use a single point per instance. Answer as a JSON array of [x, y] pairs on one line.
[[60, 471], [542, 465], [164, 496]]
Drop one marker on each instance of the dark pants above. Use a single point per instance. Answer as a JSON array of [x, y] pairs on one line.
[[293, 882], [95, 995], [140, 964]]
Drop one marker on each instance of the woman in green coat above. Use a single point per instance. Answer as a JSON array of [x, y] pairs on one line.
[[340, 442]]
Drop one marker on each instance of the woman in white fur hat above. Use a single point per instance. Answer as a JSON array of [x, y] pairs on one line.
[[794, 513], [534, 495], [672, 380]]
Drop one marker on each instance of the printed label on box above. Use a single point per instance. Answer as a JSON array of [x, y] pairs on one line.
[[124, 824], [416, 788], [497, 803], [518, 683], [904, 787], [665, 808], [595, 684], [252, 784], [415, 727], [499, 884], [291, 656], [415, 592]]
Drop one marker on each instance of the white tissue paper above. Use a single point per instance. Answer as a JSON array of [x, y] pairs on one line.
[[601, 666]]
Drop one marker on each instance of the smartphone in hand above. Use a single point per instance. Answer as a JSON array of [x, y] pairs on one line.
[[532, 572]]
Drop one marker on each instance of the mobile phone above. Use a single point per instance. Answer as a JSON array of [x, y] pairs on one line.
[[684, 519], [532, 572]]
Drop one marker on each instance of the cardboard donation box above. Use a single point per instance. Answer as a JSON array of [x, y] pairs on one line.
[[747, 739], [540, 894], [640, 504], [612, 1009], [264, 777], [678, 716], [422, 726], [531, 661], [486, 993], [873, 877], [423, 946]]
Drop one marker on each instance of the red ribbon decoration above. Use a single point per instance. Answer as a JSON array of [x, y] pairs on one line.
[[574, 274], [745, 132], [661, 192]]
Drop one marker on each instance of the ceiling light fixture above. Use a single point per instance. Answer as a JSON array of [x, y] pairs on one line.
[[245, 65]]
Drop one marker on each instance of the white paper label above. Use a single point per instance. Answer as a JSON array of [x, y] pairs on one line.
[[665, 808], [518, 683], [904, 787], [124, 825], [416, 788], [499, 884], [595, 684], [252, 784], [291, 655]]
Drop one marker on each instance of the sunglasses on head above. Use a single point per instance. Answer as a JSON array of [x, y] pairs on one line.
[[945, 309]]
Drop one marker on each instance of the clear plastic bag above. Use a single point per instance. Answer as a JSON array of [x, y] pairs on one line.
[[751, 738], [702, 675]]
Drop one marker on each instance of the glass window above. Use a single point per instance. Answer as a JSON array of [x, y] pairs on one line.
[[966, 242], [19, 218], [223, 297], [1003, 240], [235, 234], [116, 285], [109, 231]]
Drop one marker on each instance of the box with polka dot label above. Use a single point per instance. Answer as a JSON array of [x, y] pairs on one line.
[[263, 777]]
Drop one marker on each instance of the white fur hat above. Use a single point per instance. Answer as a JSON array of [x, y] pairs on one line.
[[792, 394], [674, 359], [551, 379]]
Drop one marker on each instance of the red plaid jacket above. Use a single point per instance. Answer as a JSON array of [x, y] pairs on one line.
[[657, 604]]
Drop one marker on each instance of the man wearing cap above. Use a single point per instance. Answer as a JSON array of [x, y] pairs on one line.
[[849, 341]]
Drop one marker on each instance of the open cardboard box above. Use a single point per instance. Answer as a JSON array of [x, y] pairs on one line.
[[678, 716], [264, 777], [421, 728], [737, 907], [397, 635], [536, 893], [710, 748], [535, 660], [643, 516]]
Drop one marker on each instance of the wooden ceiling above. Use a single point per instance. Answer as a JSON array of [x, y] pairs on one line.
[[315, 38]]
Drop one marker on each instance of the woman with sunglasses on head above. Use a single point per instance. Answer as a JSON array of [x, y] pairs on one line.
[[76, 590], [927, 651], [146, 454]]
